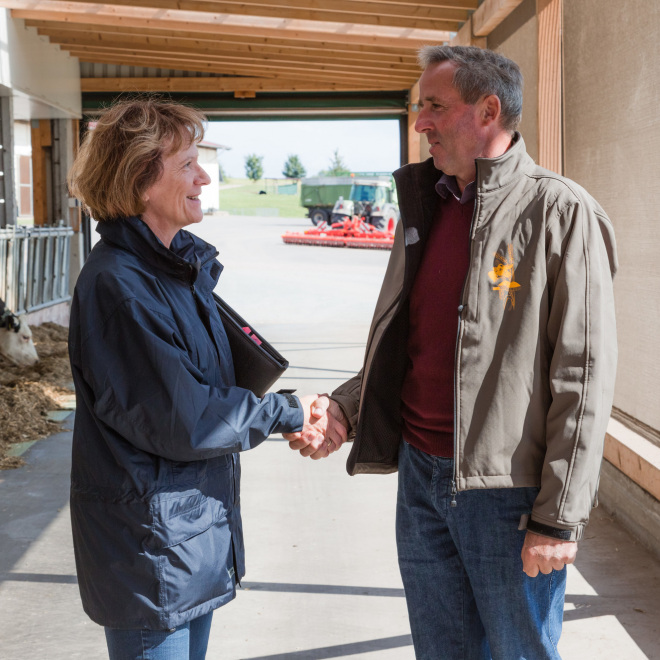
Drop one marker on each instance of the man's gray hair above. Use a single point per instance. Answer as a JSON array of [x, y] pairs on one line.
[[480, 72]]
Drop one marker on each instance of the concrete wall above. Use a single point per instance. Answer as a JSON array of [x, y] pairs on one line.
[[516, 38], [612, 147]]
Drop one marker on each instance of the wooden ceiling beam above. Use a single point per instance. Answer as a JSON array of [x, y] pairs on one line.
[[340, 67], [85, 37], [490, 14], [447, 4], [219, 24], [378, 14], [58, 28], [167, 61], [217, 84], [453, 9]]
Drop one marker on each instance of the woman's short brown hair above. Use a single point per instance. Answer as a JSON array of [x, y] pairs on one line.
[[122, 156]]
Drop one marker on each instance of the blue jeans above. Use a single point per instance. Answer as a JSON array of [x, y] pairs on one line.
[[187, 642], [467, 595]]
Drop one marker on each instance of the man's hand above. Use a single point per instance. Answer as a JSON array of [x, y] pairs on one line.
[[336, 429], [314, 424], [542, 553], [328, 417]]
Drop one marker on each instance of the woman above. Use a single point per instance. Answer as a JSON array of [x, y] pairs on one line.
[[159, 420]]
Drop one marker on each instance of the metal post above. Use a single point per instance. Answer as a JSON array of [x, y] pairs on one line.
[[403, 139], [62, 159], [7, 200]]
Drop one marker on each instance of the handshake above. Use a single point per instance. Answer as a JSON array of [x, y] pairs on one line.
[[325, 428]]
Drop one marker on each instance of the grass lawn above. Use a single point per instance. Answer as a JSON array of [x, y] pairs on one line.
[[241, 197]]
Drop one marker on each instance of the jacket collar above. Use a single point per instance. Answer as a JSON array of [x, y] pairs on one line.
[[492, 173], [187, 256], [495, 173], [417, 194], [417, 201]]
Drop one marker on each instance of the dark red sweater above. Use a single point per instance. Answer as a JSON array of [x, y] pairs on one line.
[[427, 396]]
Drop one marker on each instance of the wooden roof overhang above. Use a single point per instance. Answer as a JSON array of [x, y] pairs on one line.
[[292, 52]]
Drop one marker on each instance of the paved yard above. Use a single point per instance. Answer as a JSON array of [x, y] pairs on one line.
[[322, 579]]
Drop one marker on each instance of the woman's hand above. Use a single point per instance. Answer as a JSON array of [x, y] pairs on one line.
[[325, 430]]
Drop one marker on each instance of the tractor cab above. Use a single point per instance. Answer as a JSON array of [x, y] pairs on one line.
[[370, 200]]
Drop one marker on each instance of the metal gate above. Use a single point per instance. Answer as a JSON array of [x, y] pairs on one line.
[[34, 267]]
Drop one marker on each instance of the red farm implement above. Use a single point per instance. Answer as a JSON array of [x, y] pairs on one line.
[[355, 233]]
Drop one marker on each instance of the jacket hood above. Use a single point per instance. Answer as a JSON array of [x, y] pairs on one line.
[[183, 260]]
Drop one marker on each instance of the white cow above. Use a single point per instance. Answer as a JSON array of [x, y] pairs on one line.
[[16, 340]]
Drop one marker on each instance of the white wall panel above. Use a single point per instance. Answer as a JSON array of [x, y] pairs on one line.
[[44, 80]]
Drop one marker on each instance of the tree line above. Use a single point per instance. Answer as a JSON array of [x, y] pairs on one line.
[[293, 167]]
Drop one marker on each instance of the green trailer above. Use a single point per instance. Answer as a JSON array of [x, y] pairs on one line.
[[373, 192], [318, 195]]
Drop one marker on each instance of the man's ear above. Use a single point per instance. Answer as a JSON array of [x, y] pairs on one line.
[[491, 108]]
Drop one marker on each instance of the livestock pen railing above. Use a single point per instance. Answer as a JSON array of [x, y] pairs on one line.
[[34, 267]]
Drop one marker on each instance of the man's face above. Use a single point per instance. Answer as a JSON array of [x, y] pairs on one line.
[[454, 129]]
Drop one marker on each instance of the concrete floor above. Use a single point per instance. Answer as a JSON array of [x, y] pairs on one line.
[[322, 578]]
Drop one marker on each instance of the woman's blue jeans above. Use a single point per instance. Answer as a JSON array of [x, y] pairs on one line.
[[467, 595], [187, 642]]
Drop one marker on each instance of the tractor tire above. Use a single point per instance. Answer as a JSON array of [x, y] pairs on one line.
[[318, 215]]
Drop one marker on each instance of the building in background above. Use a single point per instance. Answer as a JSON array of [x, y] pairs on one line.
[[209, 153]]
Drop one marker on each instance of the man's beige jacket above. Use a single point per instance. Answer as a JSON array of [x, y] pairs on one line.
[[536, 340]]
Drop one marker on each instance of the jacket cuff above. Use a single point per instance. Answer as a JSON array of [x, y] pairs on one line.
[[294, 415], [345, 404], [555, 532], [347, 397]]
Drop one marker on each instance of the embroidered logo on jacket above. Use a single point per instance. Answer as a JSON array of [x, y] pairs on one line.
[[503, 277]]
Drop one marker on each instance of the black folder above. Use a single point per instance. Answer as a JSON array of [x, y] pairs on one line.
[[257, 365]]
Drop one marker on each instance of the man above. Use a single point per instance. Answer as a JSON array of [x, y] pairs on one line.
[[489, 371]]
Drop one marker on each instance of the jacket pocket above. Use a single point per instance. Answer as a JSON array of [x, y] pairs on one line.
[[193, 550], [177, 519]]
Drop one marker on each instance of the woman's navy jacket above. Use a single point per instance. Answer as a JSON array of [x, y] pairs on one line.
[[159, 424]]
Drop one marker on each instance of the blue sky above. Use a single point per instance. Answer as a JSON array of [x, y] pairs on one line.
[[364, 145]]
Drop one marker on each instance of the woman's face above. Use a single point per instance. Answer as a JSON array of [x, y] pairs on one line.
[[173, 201]]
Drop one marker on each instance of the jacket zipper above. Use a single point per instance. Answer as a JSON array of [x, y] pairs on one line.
[[461, 307], [233, 461], [202, 264]]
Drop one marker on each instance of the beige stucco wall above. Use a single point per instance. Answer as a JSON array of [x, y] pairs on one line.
[[612, 148], [516, 38]]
